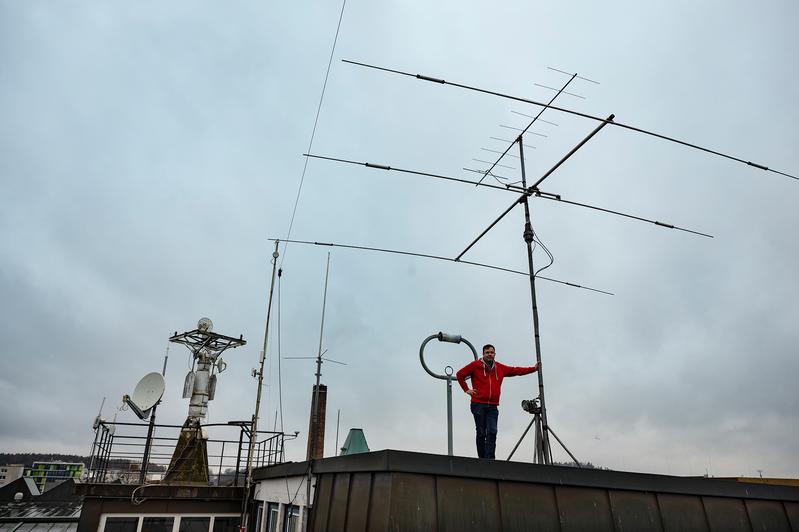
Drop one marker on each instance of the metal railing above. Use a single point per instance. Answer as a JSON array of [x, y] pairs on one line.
[[119, 449]]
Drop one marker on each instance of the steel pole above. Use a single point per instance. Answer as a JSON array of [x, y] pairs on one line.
[[149, 442], [254, 427], [147, 446], [449, 414], [319, 366], [315, 424], [544, 452]]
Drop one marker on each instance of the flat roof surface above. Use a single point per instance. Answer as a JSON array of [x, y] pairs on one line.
[[458, 466]]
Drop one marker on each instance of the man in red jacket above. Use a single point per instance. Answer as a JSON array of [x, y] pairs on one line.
[[487, 378]]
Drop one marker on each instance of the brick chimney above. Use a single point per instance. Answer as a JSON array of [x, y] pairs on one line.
[[316, 428]]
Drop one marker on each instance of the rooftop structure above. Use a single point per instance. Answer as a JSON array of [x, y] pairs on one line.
[[157, 508], [355, 443], [10, 473], [44, 473], [120, 448], [24, 509], [397, 490]]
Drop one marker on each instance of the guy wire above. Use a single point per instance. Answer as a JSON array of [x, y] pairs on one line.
[[313, 132]]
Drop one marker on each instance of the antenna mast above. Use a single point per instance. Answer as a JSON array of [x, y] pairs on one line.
[[543, 450], [260, 374], [313, 432], [313, 437]]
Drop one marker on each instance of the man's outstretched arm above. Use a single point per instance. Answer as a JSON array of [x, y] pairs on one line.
[[514, 371]]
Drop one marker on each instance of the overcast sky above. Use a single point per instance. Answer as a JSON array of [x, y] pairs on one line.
[[148, 150]]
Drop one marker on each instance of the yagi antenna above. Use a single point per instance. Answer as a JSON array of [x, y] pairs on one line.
[[438, 257], [575, 113], [533, 121], [513, 188]]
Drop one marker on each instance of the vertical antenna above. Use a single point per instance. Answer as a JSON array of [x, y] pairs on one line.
[[166, 357], [315, 424], [319, 353], [96, 426], [338, 420]]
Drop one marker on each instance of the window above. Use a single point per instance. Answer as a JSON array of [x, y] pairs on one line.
[[255, 523], [195, 524], [157, 524], [272, 516], [121, 524], [226, 524], [291, 519]]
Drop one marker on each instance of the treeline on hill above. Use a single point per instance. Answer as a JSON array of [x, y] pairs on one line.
[[27, 460], [584, 465]]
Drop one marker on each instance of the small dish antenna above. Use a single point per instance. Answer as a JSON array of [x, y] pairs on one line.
[[146, 395]]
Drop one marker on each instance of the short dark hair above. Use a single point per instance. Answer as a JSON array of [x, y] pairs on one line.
[[487, 346]]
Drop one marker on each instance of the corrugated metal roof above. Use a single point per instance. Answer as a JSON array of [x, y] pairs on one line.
[[39, 510], [39, 527]]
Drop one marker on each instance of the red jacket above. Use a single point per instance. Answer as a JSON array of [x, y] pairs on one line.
[[488, 382]]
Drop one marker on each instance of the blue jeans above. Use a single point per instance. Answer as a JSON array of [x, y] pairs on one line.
[[485, 424]]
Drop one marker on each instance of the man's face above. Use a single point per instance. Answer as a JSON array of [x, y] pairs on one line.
[[488, 354]]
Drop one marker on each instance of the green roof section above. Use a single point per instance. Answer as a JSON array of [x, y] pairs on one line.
[[355, 443]]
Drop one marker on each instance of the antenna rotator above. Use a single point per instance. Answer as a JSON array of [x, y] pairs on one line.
[[532, 406]]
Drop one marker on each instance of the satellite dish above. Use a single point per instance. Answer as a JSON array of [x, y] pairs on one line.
[[205, 325], [146, 395]]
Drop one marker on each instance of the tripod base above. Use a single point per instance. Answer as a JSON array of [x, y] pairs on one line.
[[542, 453]]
